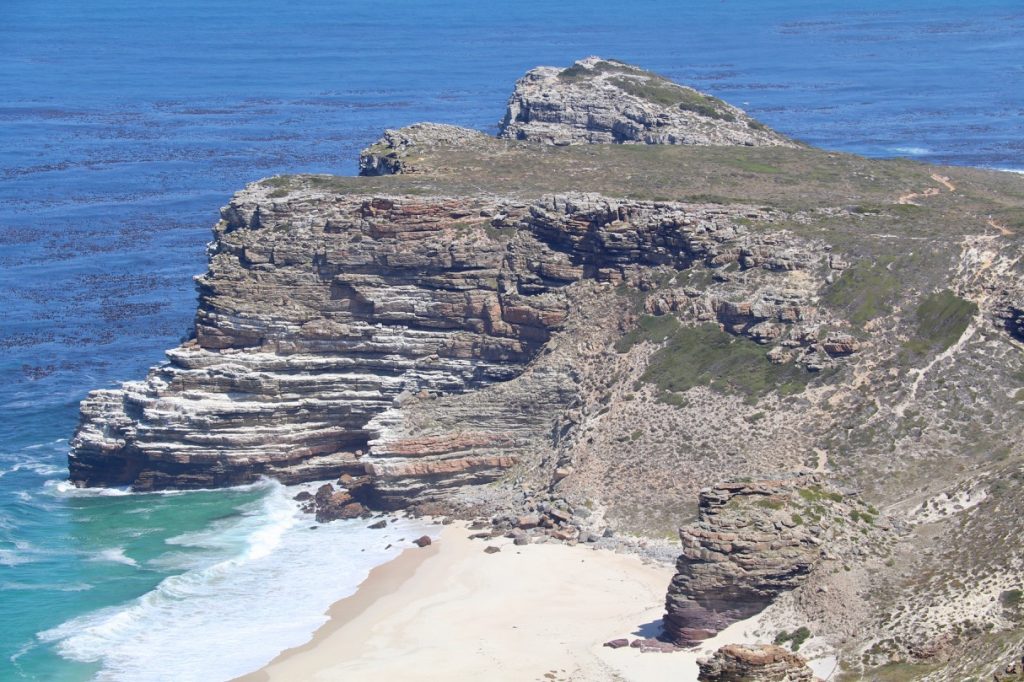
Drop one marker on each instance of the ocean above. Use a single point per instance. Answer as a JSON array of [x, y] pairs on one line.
[[125, 126]]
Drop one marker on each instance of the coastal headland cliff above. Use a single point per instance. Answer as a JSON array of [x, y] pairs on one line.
[[636, 308]]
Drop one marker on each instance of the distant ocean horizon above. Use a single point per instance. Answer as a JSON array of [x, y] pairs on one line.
[[125, 126]]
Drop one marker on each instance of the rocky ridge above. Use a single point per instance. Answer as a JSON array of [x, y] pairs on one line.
[[599, 101]]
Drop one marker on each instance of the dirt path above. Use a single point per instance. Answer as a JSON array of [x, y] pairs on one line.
[[1003, 229], [944, 181], [909, 197]]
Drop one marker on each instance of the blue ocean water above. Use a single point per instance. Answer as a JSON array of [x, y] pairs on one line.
[[125, 125]]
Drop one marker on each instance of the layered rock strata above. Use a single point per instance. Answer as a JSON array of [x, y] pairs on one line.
[[390, 155], [322, 314], [752, 542], [755, 663], [605, 101]]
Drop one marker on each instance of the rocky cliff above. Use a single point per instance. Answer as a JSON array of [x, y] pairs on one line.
[[320, 316], [828, 346], [752, 542], [606, 101]]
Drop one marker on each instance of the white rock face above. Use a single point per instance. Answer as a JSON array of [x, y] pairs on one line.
[[602, 101]]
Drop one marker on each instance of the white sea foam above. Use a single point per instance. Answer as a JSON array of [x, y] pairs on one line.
[[912, 151], [66, 488], [114, 555], [1019, 171], [22, 553], [49, 587], [41, 468], [11, 557], [265, 584]]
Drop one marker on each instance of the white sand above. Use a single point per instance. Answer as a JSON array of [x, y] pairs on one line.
[[536, 612]]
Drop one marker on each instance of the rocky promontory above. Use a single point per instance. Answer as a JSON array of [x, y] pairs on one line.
[[598, 101], [637, 309]]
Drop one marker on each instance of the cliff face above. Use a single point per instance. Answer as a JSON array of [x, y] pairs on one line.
[[320, 315], [604, 101], [603, 331], [751, 543]]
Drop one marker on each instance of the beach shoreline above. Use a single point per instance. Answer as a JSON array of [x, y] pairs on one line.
[[539, 611], [382, 580]]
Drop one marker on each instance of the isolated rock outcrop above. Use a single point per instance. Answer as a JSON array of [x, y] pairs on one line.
[[605, 101], [755, 663], [752, 542], [388, 155]]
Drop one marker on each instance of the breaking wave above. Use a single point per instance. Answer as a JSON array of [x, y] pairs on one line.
[[261, 584]]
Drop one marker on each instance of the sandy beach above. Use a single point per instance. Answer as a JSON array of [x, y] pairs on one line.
[[535, 612]]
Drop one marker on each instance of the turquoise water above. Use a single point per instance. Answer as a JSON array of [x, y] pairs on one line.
[[124, 126]]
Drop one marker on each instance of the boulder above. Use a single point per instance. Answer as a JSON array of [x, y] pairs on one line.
[[754, 663]]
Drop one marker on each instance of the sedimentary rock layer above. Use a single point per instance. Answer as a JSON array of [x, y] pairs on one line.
[[746, 548], [755, 663], [322, 313]]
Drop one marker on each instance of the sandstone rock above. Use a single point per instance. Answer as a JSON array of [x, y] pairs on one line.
[[617, 643], [297, 372], [422, 541], [385, 156], [559, 516], [491, 549], [378, 525], [604, 101], [742, 552], [840, 344], [755, 663], [528, 521]]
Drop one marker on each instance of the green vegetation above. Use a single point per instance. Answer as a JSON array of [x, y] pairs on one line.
[[673, 399], [753, 166], [577, 72], [653, 329], [814, 493], [940, 321], [708, 356], [795, 638], [497, 233], [1010, 218], [668, 94], [856, 515], [1011, 599], [770, 503], [865, 291], [891, 672]]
